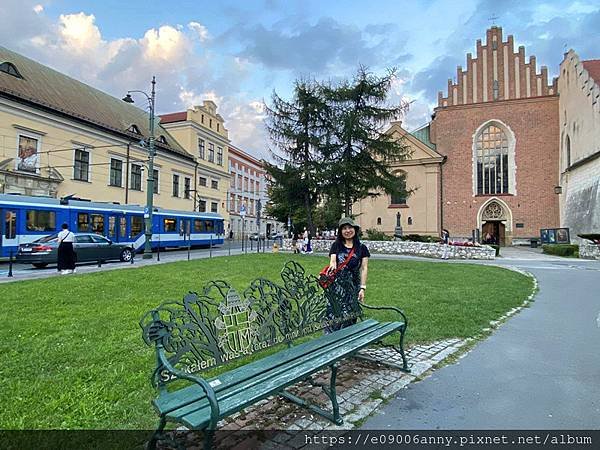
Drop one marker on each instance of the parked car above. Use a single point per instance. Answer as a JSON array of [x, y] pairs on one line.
[[277, 235], [254, 236], [88, 247]]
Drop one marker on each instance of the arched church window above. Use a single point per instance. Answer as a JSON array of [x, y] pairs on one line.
[[379, 221], [492, 161], [399, 197]]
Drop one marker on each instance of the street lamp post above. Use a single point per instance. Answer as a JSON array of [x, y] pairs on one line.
[[150, 184]]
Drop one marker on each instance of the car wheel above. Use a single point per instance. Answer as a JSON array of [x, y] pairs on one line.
[[126, 255], [39, 265]]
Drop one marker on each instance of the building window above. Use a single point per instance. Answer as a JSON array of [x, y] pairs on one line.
[[28, 158], [81, 170], [116, 172], [202, 206], [491, 145], [136, 177], [202, 118], [202, 181], [214, 184], [399, 198], [155, 178], [220, 156], [232, 180], [201, 148], [170, 225], [214, 207], [186, 187], [210, 123], [175, 185], [379, 221], [218, 126], [211, 152], [10, 69], [40, 220]]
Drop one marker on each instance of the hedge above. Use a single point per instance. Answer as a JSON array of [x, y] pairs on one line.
[[561, 249]]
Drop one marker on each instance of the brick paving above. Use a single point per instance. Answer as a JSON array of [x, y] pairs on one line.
[[363, 384]]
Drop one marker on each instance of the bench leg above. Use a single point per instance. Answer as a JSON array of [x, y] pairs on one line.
[[331, 393], [400, 350], [157, 433]]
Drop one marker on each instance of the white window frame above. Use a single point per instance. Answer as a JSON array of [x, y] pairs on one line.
[[89, 171], [123, 166], [29, 135], [512, 164], [142, 168], [172, 184]]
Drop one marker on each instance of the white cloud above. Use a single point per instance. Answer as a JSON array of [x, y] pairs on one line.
[[79, 33], [38, 9], [165, 44], [200, 30]]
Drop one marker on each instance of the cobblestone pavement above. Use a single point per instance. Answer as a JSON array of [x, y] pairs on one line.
[[363, 383]]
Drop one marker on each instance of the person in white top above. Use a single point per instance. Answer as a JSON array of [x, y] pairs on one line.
[[66, 253]]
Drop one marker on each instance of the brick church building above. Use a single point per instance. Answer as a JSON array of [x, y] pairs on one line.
[[498, 130]]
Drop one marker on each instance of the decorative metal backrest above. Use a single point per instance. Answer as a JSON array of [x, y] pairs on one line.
[[217, 325]]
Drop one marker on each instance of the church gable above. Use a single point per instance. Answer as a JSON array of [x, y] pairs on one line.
[[420, 151], [497, 73]]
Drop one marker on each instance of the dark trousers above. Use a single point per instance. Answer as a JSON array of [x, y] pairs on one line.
[[66, 256]]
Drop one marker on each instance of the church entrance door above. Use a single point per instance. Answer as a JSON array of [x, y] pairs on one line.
[[496, 229]]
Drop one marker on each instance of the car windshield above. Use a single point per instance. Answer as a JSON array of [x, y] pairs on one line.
[[51, 238]]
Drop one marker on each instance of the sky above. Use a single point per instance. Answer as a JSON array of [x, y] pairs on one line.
[[237, 53]]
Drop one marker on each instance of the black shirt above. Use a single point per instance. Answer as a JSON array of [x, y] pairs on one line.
[[342, 253]]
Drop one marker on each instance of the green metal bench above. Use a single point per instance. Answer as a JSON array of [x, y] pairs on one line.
[[216, 326]]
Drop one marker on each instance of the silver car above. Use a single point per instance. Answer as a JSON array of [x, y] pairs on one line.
[[88, 247]]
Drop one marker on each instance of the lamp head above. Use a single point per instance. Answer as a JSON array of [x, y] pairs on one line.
[[128, 99]]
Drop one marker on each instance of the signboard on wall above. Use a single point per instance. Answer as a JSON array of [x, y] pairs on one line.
[[555, 236]]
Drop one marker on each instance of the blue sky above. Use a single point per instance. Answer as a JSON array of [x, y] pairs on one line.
[[237, 53]]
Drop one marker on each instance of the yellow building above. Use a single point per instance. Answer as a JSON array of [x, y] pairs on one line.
[[419, 213], [201, 132], [61, 137]]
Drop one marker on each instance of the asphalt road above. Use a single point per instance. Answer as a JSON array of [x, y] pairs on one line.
[[540, 370]]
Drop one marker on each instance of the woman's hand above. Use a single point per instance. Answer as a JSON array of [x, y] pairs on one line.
[[332, 267], [361, 296]]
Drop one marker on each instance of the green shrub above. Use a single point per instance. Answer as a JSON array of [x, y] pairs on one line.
[[570, 250], [420, 238], [497, 247], [375, 235]]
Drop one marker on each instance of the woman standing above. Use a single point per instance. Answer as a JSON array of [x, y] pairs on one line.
[[348, 250], [66, 254]]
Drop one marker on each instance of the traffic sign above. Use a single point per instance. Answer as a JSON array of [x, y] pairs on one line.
[[243, 210]]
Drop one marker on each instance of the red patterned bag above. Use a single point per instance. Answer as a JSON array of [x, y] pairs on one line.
[[326, 278]]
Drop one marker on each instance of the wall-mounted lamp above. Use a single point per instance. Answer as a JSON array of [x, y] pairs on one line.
[[558, 189]]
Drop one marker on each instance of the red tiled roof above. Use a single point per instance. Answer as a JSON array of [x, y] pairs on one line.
[[174, 117], [593, 68]]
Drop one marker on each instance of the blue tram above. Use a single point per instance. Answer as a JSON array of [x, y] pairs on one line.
[[24, 219]]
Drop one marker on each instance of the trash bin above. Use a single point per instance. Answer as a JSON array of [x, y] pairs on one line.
[[534, 243]]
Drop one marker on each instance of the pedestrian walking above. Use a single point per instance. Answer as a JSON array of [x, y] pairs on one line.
[[66, 252]]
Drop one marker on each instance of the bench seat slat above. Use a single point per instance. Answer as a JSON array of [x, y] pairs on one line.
[[170, 400], [268, 383]]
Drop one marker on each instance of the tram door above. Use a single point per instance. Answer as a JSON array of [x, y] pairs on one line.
[[8, 231], [117, 227]]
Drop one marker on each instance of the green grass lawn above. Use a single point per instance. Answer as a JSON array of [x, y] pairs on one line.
[[73, 357]]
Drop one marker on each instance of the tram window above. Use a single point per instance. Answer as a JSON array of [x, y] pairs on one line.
[[123, 227], [198, 226], [209, 225], [112, 226], [98, 223], [10, 225], [39, 220], [170, 224], [137, 223], [83, 222]]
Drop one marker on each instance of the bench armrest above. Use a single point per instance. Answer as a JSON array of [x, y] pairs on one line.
[[206, 387], [388, 308]]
